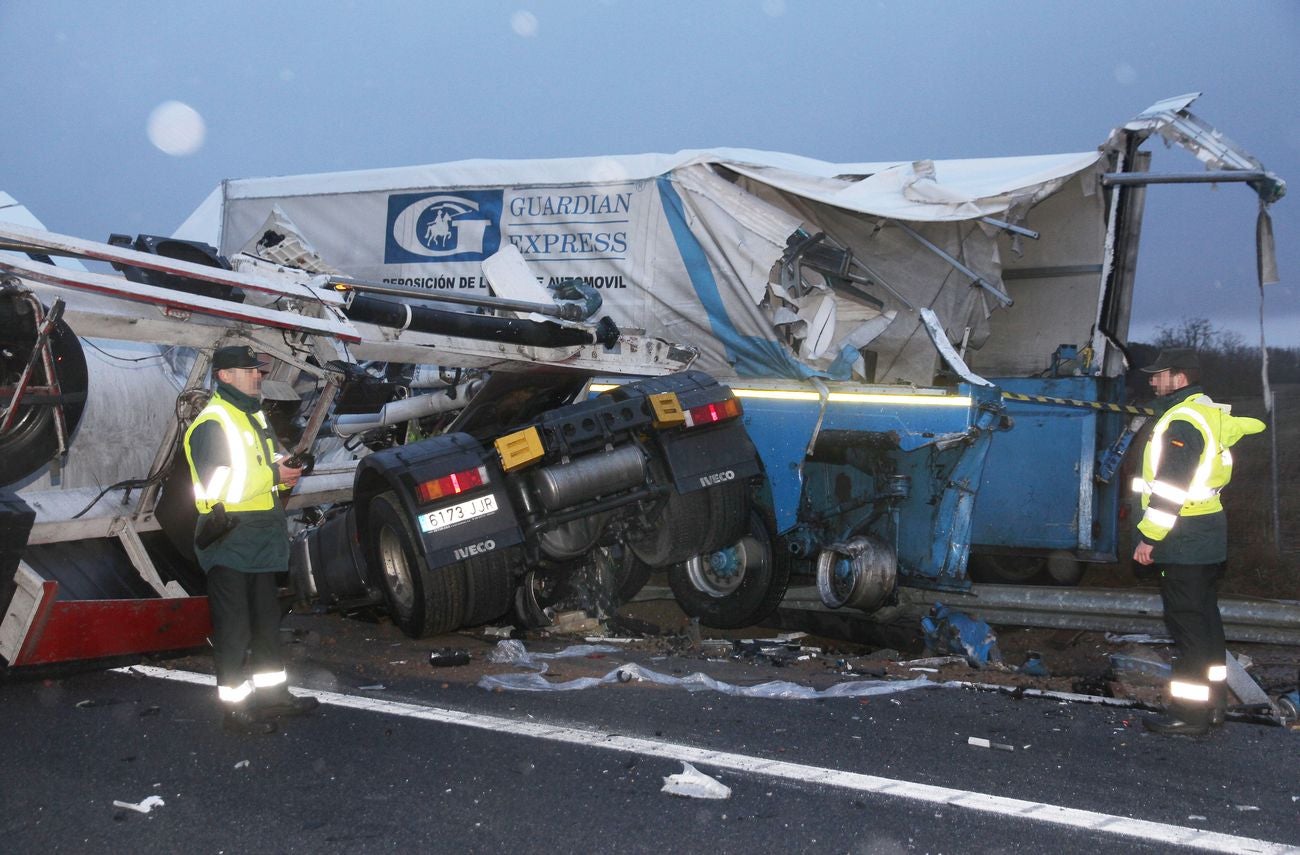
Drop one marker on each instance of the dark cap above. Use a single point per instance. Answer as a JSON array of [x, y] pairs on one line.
[[1175, 358], [235, 356]]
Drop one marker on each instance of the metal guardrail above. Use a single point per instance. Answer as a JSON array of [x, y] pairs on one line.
[[1101, 609], [1098, 609]]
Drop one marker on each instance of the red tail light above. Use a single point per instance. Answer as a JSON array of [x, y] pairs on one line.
[[450, 485], [718, 411]]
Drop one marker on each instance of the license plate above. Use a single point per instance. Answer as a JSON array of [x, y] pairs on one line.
[[451, 515]]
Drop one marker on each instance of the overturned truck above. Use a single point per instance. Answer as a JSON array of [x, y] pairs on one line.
[[929, 358], [931, 354]]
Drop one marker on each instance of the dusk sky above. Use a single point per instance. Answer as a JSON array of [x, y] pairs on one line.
[[122, 116]]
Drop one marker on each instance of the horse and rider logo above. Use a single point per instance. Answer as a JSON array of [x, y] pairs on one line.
[[425, 227]]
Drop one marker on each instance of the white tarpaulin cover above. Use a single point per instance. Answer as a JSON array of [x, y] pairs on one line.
[[695, 247]]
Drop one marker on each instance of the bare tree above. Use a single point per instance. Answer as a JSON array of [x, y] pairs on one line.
[[1200, 335]]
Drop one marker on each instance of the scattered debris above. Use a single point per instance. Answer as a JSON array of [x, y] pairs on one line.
[[693, 631], [142, 807], [776, 651], [97, 702], [981, 742], [573, 623], [934, 662], [947, 631], [513, 652], [498, 631], [1244, 686], [1141, 666], [449, 657], [780, 689], [1034, 665], [693, 783], [242, 764], [1137, 638], [375, 687]]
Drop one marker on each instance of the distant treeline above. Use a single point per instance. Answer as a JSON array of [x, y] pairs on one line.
[[1230, 368]]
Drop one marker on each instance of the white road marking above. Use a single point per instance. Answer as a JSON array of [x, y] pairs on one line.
[[1086, 820]]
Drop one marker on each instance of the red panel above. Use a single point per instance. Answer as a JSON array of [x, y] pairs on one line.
[[95, 629]]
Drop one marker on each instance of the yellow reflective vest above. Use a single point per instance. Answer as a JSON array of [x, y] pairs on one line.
[[1219, 430], [248, 482]]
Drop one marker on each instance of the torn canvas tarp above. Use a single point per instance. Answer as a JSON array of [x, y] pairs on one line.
[[772, 265]]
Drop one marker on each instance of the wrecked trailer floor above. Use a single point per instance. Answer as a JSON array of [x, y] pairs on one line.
[[404, 756]]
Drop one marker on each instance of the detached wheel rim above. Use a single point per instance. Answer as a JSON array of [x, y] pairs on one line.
[[397, 572], [720, 573]]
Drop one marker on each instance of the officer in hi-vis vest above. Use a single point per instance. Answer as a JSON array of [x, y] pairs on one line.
[[1183, 532], [241, 542]]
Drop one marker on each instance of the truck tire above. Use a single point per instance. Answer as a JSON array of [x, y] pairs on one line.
[[421, 601], [694, 523], [31, 441], [736, 586], [627, 573], [1062, 569], [488, 588], [631, 575]]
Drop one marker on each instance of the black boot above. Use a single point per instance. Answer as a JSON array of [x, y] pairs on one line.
[[279, 703], [245, 722], [1179, 722], [1218, 704]]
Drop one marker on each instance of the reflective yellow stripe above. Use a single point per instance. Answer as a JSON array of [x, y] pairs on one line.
[[1169, 491], [212, 490], [238, 460], [235, 694], [247, 451], [1198, 490], [1189, 691], [1160, 518], [267, 679]]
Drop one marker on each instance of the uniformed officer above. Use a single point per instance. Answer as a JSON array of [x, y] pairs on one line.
[[241, 542], [1183, 532]]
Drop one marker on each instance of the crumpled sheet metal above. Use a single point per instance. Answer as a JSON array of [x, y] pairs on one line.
[[782, 689]]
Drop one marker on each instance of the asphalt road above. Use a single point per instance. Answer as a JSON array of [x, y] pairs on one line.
[[431, 762]]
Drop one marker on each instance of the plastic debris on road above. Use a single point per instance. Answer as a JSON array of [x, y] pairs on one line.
[[947, 631], [981, 742], [449, 657], [1137, 638], [141, 807], [1128, 666], [693, 783], [513, 652], [1034, 665], [697, 682]]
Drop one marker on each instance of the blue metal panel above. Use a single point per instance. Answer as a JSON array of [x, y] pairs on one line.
[[1038, 489], [782, 429]]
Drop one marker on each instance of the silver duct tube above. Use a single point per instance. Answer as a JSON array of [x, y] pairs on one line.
[[415, 407]]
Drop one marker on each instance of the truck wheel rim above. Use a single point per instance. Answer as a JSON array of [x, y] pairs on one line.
[[397, 574], [721, 573]]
